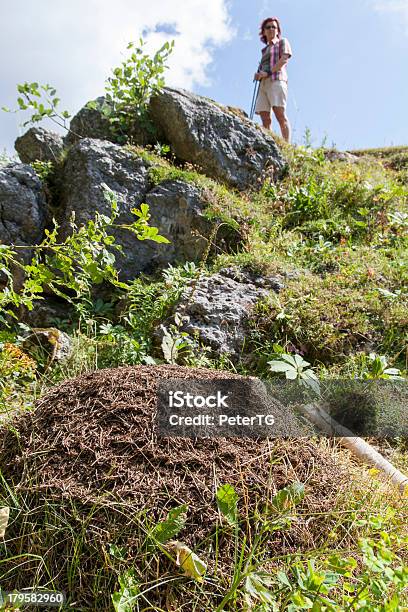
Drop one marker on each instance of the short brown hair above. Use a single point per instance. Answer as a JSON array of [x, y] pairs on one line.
[[262, 26]]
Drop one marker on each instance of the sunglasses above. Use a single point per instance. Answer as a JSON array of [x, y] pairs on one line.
[[270, 27]]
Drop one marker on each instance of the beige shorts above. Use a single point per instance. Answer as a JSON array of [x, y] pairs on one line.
[[271, 93]]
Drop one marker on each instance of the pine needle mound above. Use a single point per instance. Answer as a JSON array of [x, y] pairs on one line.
[[94, 437], [86, 471]]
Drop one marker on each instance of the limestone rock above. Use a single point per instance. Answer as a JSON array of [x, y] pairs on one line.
[[224, 145], [176, 207], [93, 123], [220, 305], [89, 165], [333, 155], [39, 144], [22, 210], [55, 343]]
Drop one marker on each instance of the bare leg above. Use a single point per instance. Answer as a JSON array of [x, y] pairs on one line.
[[266, 119], [283, 121]]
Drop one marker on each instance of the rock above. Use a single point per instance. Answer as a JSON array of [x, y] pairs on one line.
[[93, 123], [47, 313], [219, 308], [333, 155], [89, 123], [39, 144], [55, 343], [245, 276], [224, 145], [92, 163], [22, 211], [89, 165], [176, 207]]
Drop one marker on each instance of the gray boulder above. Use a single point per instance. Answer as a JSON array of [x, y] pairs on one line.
[[89, 123], [224, 145], [39, 144], [89, 165], [94, 123], [57, 345], [333, 155], [219, 306], [22, 211], [48, 313], [176, 207]]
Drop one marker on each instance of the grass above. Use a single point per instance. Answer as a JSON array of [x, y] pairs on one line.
[[336, 234], [83, 549], [393, 158]]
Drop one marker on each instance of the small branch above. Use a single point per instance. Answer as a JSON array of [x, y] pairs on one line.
[[356, 445]]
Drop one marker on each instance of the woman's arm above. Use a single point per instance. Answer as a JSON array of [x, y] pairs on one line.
[[285, 52], [281, 62]]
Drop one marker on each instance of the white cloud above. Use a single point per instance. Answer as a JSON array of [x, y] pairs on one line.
[[73, 45], [398, 8]]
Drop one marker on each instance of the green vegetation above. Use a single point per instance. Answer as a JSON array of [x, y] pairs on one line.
[[42, 101], [393, 158], [127, 93], [355, 559], [337, 233], [4, 158], [131, 86]]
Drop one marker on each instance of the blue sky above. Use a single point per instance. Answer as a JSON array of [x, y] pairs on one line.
[[347, 77]]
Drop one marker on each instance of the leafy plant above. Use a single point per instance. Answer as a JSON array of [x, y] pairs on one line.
[[176, 277], [288, 497], [169, 528], [295, 368], [4, 158], [162, 150], [72, 267], [339, 584], [277, 515], [42, 168], [398, 220], [131, 86], [175, 342], [257, 589], [307, 201], [125, 347], [227, 502], [43, 103], [307, 138], [124, 599], [190, 563], [17, 375], [377, 367]]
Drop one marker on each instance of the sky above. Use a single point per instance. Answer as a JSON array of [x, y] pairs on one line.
[[348, 76]]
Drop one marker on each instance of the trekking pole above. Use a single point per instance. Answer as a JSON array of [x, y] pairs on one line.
[[251, 112], [254, 97]]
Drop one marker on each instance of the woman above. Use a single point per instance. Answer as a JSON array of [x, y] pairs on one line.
[[273, 88]]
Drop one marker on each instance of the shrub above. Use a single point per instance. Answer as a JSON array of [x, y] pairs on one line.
[[130, 88]]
